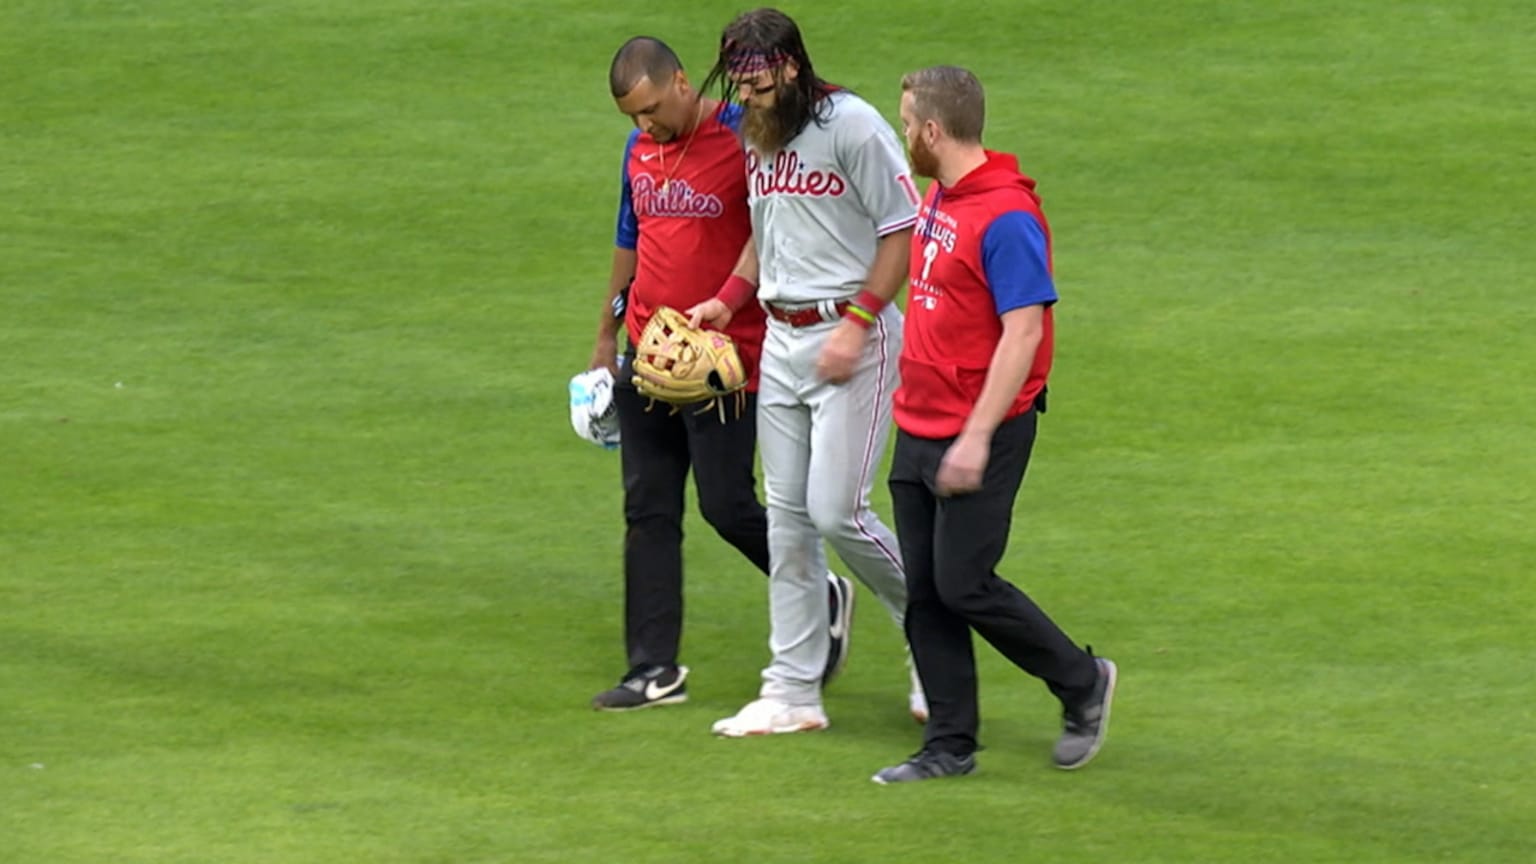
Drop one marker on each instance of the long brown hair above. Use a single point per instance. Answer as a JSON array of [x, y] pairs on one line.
[[767, 39]]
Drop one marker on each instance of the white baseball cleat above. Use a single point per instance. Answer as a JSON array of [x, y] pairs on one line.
[[771, 717], [917, 700]]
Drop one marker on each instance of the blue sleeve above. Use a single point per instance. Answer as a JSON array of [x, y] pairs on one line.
[[730, 116], [627, 235], [1014, 256]]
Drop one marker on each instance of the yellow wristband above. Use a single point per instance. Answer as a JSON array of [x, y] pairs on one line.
[[860, 316]]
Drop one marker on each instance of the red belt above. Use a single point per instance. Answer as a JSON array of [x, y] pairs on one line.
[[807, 316]]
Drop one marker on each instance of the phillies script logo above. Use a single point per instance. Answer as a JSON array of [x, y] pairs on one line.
[[679, 200], [788, 177]]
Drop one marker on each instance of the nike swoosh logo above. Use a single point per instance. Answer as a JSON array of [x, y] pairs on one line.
[[654, 690], [646, 157], [835, 628]]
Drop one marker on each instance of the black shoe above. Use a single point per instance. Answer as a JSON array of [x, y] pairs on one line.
[[657, 685], [840, 625], [1084, 726], [927, 765]]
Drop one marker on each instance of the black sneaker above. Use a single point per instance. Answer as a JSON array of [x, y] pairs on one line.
[[840, 626], [658, 685], [927, 765], [1084, 726]]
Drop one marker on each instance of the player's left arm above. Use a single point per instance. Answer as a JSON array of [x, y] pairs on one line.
[[843, 348], [878, 173], [889, 272], [1016, 260], [877, 166]]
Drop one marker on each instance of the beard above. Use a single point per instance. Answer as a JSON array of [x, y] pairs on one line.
[[924, 163], [769, 129]]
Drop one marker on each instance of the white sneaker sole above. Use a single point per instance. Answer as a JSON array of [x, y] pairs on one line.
[[666, 700], [730, 732], [725, 730]]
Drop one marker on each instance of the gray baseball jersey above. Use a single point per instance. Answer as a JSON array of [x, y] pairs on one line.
[[819, 208], [820, 205]]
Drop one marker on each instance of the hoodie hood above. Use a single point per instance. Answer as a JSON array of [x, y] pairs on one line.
[[1001, 170]]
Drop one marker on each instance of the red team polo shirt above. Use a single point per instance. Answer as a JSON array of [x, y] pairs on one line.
[[981, 248], [688, 238]]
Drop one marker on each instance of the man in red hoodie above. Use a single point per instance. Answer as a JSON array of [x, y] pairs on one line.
[[977, 351]]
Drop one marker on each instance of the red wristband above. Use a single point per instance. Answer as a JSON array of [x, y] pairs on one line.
[[736, 292], [869, 302]]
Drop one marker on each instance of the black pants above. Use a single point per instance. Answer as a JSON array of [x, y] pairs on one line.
[[950, 547], [657, 449]]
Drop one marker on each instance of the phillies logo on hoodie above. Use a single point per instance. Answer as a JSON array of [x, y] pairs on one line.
[[786, 176]]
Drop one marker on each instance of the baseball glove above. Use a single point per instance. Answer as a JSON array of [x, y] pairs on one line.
[[676, 364]]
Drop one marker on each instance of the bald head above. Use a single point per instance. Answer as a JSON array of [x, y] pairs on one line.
[[639, 59]]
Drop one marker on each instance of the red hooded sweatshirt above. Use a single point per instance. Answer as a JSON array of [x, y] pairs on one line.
[[981, 248]]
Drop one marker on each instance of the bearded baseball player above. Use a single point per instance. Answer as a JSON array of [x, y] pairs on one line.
[[978, 348], [833, 207], [682, 227]]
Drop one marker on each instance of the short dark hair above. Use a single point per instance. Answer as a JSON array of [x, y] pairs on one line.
[[640, 58], [767, 38], [950, 95]]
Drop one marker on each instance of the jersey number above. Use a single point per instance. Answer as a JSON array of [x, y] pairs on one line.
[[930, 252]]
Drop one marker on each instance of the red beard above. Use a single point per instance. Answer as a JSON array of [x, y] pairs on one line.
[[924, 163]]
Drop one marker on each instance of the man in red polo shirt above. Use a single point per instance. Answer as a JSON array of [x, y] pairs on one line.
[[682, 226], [977, 351]]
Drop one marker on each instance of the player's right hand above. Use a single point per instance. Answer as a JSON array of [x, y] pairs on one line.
[[606, 354], [711, 313]]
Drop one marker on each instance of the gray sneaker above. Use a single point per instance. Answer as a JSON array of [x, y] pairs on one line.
[[644, 688], [1084, 726], [927, 765]]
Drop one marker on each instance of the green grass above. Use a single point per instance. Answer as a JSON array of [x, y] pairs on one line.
[[300, 562]]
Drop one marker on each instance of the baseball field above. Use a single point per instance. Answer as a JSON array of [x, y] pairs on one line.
[[301, 562]]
